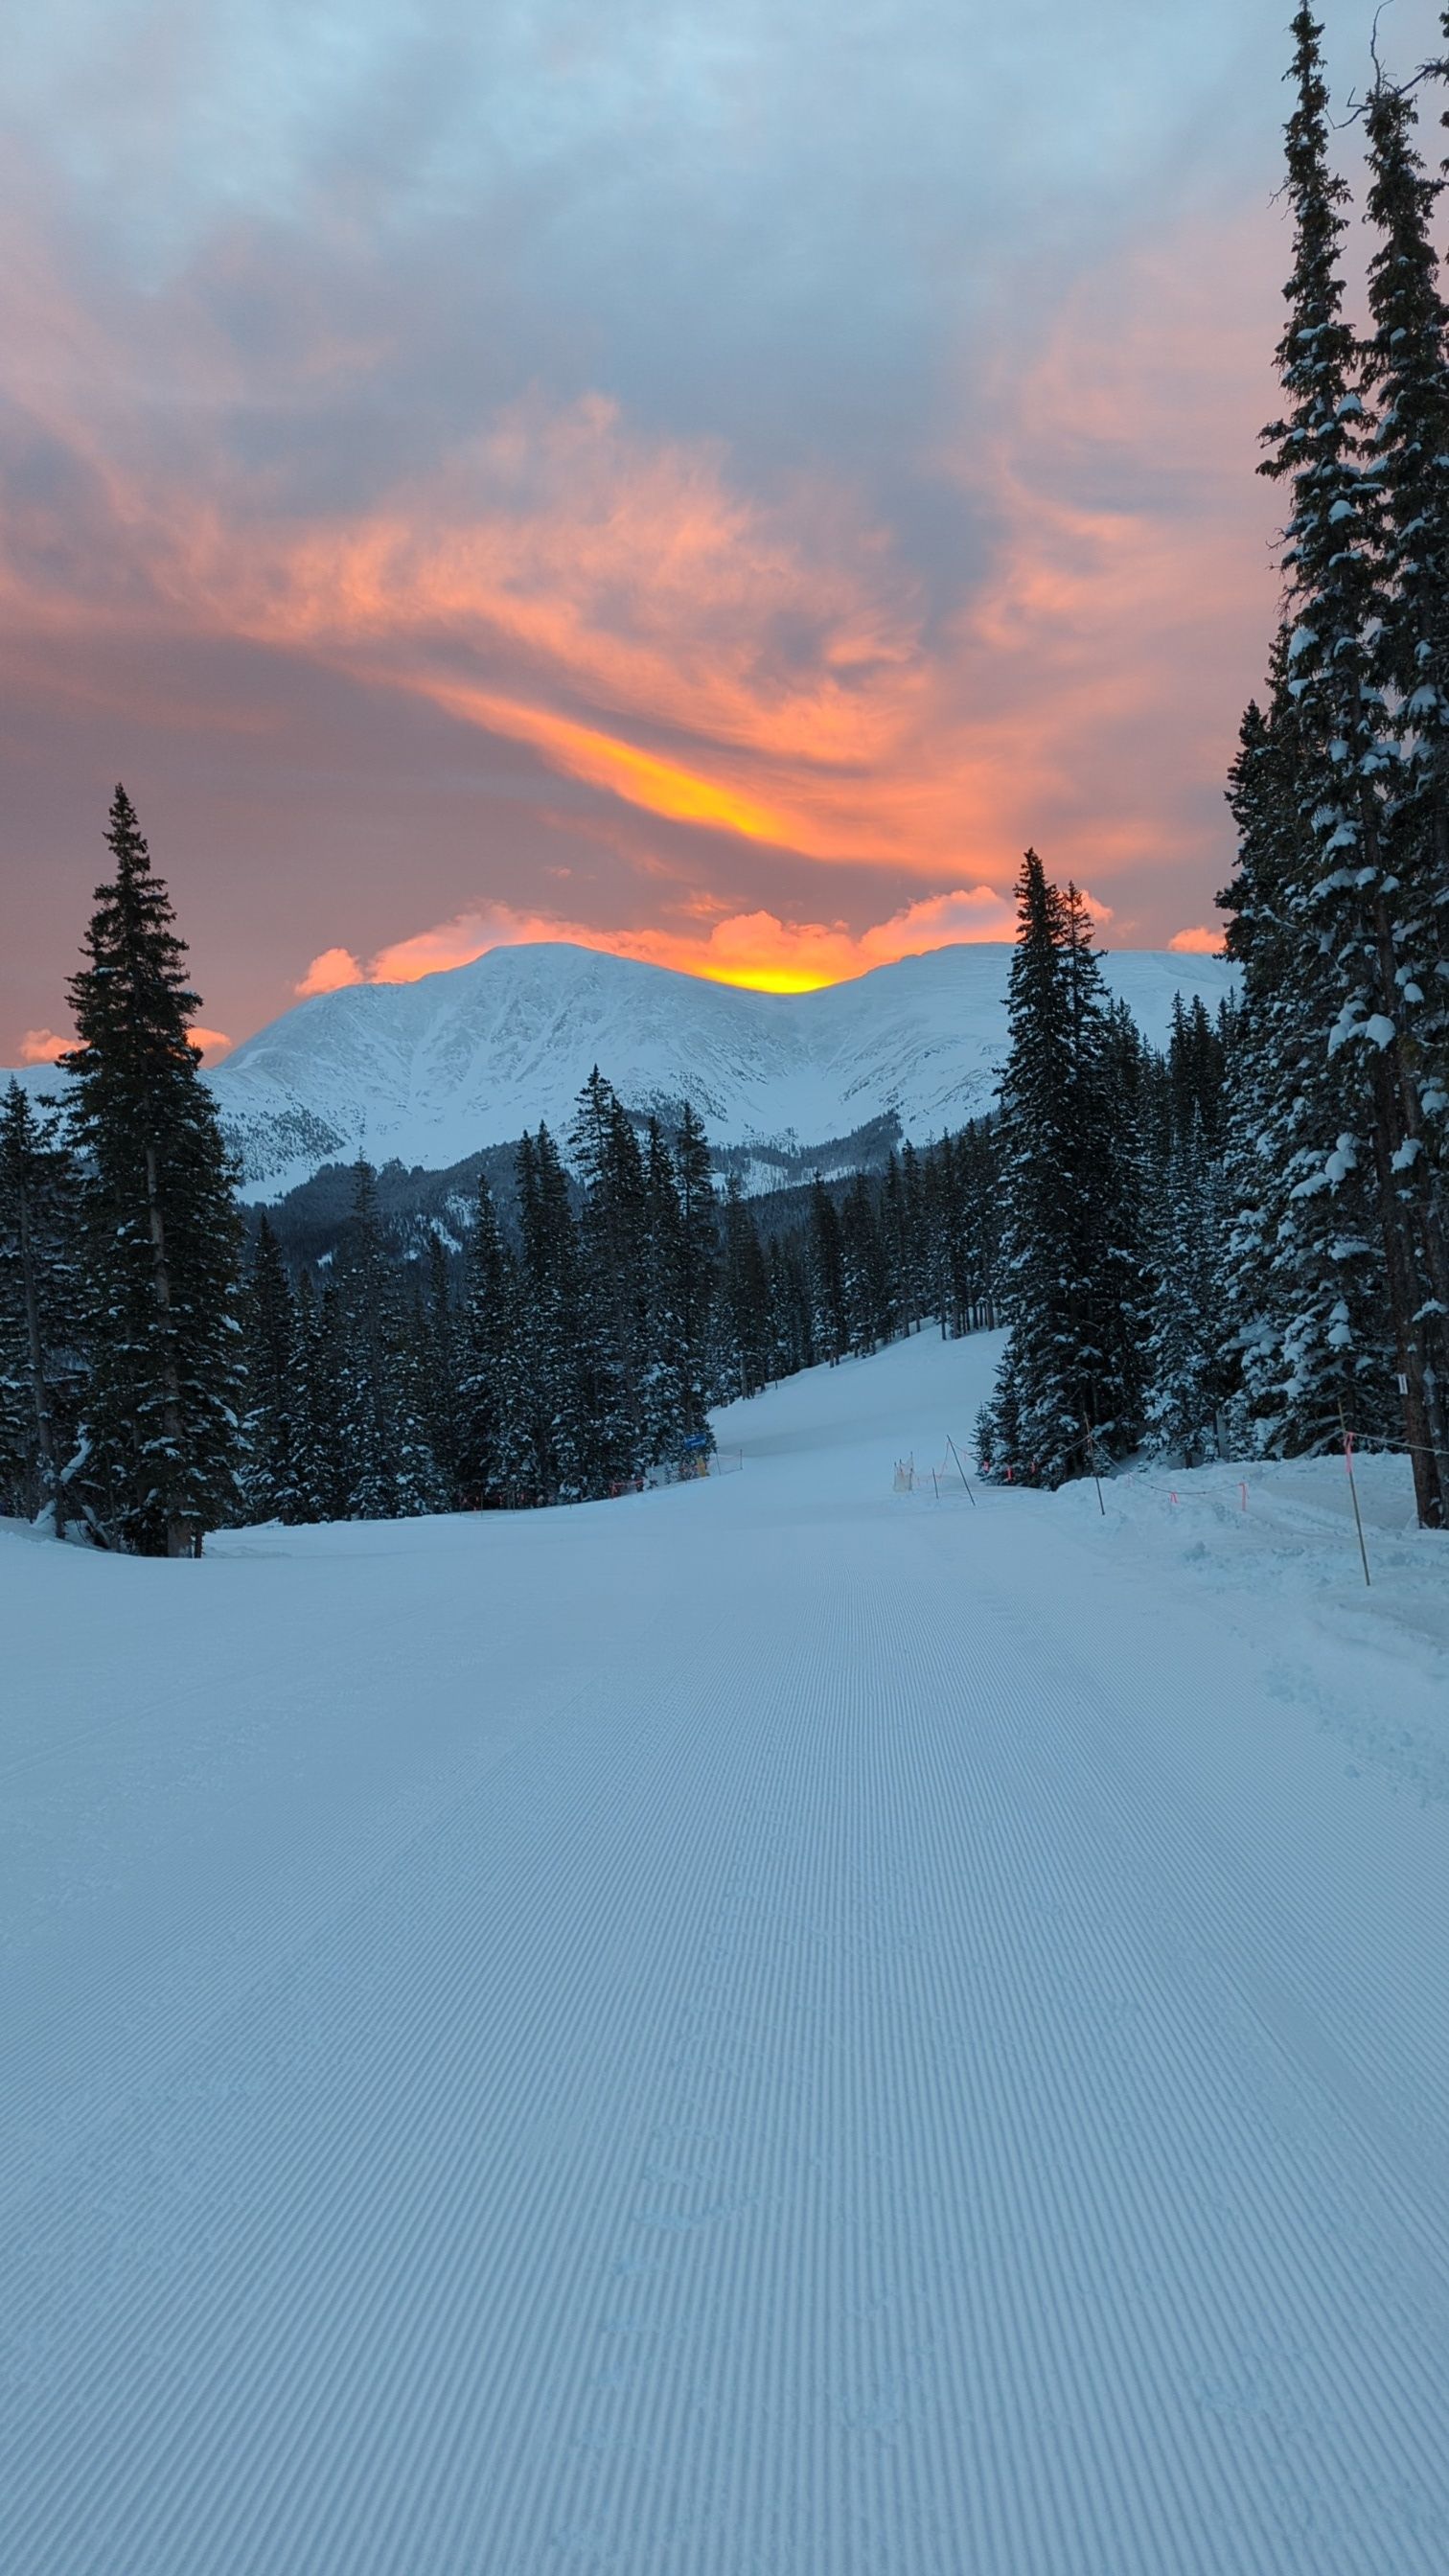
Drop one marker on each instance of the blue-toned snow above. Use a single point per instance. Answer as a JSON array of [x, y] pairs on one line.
[[776, 2028]]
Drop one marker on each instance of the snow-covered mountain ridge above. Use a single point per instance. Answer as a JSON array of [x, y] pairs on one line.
[[432, 1071]]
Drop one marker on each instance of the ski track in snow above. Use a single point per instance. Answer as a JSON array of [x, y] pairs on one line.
[[764, 2029]]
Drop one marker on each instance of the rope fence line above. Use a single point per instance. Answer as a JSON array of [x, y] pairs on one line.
[[909, 1478]]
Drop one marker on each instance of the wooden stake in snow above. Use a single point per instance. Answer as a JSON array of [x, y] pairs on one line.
[[1092, 1456], [951, 1445], [1353, 1490]]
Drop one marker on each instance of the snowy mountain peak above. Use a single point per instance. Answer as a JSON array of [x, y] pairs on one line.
[[430, 1072]]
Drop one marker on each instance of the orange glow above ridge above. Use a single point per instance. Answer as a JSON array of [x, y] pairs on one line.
[[756, 950]]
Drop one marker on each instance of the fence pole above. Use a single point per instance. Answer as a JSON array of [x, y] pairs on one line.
[[1353, 1490], [1092, 1456], [951, 1445]]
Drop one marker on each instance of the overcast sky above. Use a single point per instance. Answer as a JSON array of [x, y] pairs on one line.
[[719, 477]]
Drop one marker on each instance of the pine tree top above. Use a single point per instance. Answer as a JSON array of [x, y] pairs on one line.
[[133, 1005]]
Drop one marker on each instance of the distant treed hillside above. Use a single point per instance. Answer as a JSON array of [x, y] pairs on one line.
[[415, 1205]]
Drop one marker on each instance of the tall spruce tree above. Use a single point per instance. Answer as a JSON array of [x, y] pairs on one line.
[[613, 1304], [315, 1401], [484, 1471], [1069, 1388], [162, 1237], [698, 1254], [1190, 1375], [387, 1463], [270, 1483], [1353, 908], [42, 1356], [744, 1296], [1303, 1301], [666, 1379], [438, 1366], [561, 1446], [1408, 370], [829, 1313]]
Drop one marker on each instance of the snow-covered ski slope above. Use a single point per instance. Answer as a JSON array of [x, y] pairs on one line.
[[774, 2028]]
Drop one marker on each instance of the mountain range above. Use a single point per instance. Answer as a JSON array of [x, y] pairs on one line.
[[429, 1072]]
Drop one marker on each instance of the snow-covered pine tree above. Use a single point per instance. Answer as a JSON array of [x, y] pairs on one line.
[[425, 1418], [561, 1441], [665, 1392], [1408, 370], [1303, 1305], [1072, 1286], [744, 1301], [1117, 1086], [900, 1247], [367, 1331], [485, 1474], [42, 1358], [978, 1158], [1189, 1374], [270, 1441], [614, 1303], [1333, 571], [321, 1484], [943, 1263], [869, 1311], [698, 1259], [161, 1232], [792, 1338], [829, 1315], [1191, 1371], [959, 1228], [387, 1465], [438, 1367], [1196, 1065]]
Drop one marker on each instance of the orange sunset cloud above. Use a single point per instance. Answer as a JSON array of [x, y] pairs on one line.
[[756, 949], [42, 1046], [734, 678], [764, 668]]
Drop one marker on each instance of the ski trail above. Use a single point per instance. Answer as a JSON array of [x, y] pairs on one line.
[[822, 2067]]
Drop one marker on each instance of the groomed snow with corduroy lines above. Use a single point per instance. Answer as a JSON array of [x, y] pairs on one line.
[[776, 2027]]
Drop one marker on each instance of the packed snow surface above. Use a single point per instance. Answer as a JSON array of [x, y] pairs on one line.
[[432, 1071], [778, 2028]]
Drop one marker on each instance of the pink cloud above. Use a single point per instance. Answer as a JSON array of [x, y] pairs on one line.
[[1197, 943], [763, 668], [329, 972], [755, 948], [42, 1046]]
